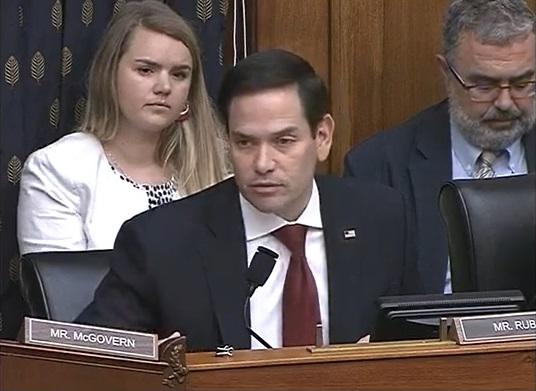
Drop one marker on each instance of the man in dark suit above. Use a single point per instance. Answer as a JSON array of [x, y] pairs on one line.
[[182, 267], [489, 66]]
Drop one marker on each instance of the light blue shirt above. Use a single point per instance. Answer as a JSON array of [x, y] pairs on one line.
[[464, 157]]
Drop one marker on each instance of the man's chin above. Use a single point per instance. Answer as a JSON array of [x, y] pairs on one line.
[[493, 143], [493, 135], [263, 203], [489, 134]]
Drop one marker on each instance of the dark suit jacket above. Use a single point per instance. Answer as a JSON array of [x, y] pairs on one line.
[[183, 266], [415, 158]]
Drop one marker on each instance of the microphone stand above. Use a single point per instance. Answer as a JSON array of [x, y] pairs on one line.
[[258, 272], [248, 323]]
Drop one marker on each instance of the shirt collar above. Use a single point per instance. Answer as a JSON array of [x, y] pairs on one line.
[[467, 153], [258, 224]]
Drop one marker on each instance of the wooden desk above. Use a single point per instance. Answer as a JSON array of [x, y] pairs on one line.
[[424, 365], [26, 368], [394, 366]]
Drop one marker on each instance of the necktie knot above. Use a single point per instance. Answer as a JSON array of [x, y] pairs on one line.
[[484, 164], [488, 157], [293, 237]]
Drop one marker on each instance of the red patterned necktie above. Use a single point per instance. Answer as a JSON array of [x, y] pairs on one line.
[[301, 311]]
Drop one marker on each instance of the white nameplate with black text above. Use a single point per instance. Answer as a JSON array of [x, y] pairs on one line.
[[495, 328], [91, 338]]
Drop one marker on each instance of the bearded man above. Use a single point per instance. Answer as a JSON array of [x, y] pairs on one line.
[[485, 128]]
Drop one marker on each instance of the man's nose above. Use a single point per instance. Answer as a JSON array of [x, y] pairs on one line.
[[264, 160], [504, 101]]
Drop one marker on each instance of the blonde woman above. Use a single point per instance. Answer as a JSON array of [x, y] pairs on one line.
[[149, 136]]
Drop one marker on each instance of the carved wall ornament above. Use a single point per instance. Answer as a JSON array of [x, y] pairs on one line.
[[174, 353]]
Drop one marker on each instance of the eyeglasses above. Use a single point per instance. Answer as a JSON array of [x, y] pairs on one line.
[[489, 92]]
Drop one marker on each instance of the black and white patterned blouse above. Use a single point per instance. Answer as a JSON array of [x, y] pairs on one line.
[[156, 194]]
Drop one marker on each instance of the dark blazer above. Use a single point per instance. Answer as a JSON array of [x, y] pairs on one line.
[[182, 266], [415, 158]]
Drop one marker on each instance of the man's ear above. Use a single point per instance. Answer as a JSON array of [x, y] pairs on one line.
[[442, 62], [445, 71], [324, 136]]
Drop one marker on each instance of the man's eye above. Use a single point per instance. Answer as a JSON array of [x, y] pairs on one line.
[[242, 143], [523, 85], [285, 140], [485, 87]]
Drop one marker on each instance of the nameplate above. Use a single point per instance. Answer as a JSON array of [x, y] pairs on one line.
[[91, 339], [495, 328]]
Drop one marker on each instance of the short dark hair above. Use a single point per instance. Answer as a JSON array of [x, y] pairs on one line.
[[272, 69]]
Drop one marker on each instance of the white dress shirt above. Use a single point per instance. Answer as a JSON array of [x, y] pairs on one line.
[[70, 198], [266, 302]]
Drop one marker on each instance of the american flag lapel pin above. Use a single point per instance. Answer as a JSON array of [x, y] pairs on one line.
[[349, 234]]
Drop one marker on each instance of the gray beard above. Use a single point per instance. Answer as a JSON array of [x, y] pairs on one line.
[[480, 135]]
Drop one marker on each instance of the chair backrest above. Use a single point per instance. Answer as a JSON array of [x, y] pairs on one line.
[[491, 228], [59, 285]]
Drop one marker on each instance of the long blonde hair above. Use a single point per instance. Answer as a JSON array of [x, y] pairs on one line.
[[192, 149]]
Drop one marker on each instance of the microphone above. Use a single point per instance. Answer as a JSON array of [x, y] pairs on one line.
[[259, 270]]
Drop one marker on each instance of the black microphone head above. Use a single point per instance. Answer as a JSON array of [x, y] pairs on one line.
[[261, 267]]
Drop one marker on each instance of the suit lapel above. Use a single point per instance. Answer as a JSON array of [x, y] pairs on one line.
[[225, 262], [343, 260], [430, 167]]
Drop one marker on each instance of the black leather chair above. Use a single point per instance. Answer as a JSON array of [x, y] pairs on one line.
[[59, 285], [491, 227]]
